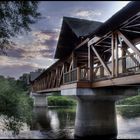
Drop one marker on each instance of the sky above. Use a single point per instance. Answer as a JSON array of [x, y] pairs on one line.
[[37, 48]]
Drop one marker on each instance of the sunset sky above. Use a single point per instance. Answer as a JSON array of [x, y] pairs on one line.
[[36, 49]]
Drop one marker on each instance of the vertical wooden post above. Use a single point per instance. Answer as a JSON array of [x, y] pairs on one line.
[[116, 56], [90, 64], [78, 73], [123, 49], [101, 71], [73, 60], [112, 51]]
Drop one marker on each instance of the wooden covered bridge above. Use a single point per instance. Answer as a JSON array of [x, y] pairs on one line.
[[94, 54], [100, 59]]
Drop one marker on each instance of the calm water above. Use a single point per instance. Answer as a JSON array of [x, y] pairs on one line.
[[56, 123]]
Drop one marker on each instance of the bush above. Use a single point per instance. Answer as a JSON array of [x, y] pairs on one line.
[[61, 101], [130, 100], [15, 105]]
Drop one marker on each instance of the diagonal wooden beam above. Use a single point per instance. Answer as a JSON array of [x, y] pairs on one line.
[[62, 71], [132, 57], [70, 67], [81, 44], [101, 61], [129, 43]]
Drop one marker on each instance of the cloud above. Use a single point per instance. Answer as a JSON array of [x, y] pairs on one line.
[[87, 14], [16, 70], [84, 13], [16, 67], [15, 52], [48, 41], [41, 44]]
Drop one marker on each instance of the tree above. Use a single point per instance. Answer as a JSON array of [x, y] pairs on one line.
[[16, 18]]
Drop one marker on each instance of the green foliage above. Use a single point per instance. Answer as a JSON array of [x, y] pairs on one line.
[[130, 100], [15, 18], [61, 101], [14, 104], [131, 108], [129, 111]]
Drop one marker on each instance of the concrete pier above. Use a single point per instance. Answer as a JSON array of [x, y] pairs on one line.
[[95, 113], [95, 118], [40, 100]]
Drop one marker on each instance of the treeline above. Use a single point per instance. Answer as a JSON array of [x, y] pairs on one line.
[[15, 104]]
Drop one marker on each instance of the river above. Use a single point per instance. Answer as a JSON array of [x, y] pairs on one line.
[[56, 123]]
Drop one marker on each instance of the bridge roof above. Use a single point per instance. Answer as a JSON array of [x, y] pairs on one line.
[[71, 32], [72, 29], [118, 19]]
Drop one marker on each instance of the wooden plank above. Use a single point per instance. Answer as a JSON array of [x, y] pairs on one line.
[[131, 45], [76, 85], [101, 61], [133, 79], [68, 86], [49, 90], [84, 84]]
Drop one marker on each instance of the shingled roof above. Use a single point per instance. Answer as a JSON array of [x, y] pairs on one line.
[[71, 31], [81, 27]]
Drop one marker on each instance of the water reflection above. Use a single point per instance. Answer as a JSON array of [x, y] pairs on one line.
[[58, 123], [41, 119], [128, 128], [54, 122]]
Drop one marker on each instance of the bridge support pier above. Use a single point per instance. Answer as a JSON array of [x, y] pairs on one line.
[[40, 100], [95, 118], [95, 113]]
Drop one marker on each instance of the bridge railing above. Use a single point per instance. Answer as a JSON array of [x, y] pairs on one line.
[[77, 74], [127, 65]]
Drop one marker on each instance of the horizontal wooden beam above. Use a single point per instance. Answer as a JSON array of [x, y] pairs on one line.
[[49, 90], [133, 79]]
